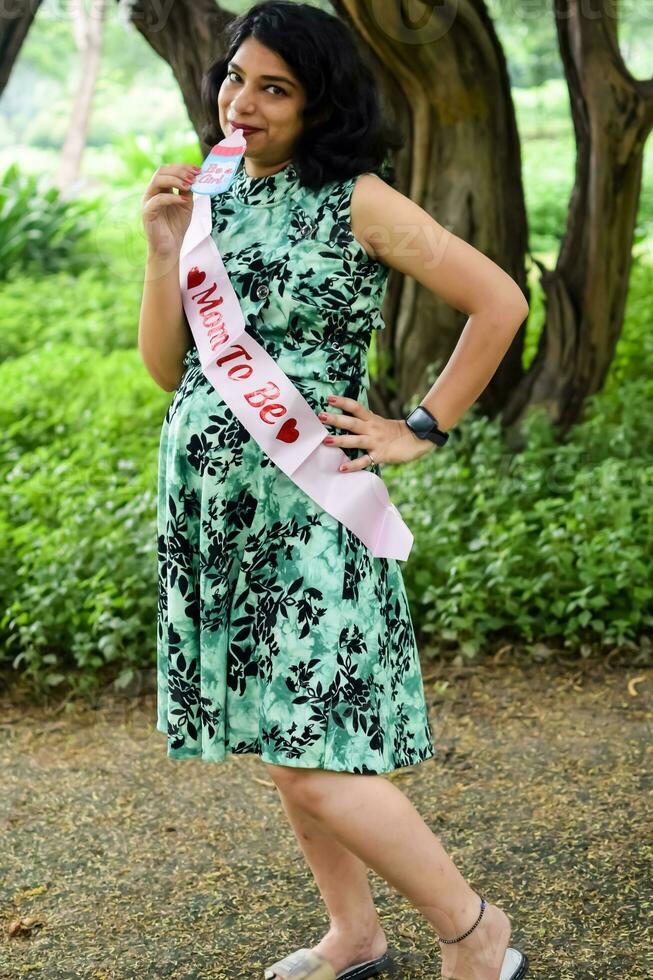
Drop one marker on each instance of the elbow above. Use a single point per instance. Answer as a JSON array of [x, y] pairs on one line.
[[521, 307], [511, 312], [167, 386], [516, 309], [524, 308]]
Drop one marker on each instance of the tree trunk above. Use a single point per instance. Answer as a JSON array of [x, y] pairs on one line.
[[88, 29], [15, 22], [586, 293], [443, 70]]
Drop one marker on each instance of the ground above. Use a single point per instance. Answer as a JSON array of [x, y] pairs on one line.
[[119, 863]]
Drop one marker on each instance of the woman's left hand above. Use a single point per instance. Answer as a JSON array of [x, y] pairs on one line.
[[388, 440]]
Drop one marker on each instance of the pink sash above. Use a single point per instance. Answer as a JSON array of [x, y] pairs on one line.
[[268, 404]]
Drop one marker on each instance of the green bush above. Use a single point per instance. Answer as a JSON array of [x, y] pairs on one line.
[[90, 309], [553, 543], [77, 513], [38, 229], [139, 156]]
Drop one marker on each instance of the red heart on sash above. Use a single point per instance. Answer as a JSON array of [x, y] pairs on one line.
[[288, 431], [195, 277]]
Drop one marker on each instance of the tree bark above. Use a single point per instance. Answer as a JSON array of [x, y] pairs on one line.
[[16, 19], [443, 70], [585, 295], [88, 29]]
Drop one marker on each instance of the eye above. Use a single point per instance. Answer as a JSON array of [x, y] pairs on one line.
[[271, 85]]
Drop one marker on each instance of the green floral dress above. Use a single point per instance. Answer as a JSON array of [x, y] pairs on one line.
[[278, 633]]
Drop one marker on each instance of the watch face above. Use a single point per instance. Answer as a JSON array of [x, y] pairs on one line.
[[421, 422], [425, 426]]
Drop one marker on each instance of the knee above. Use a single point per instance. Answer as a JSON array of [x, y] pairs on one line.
[[303, 787]]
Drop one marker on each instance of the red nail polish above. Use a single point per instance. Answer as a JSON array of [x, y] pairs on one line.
[[331, 398], [328, 439]]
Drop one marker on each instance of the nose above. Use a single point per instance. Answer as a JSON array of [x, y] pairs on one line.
[[242, 103]]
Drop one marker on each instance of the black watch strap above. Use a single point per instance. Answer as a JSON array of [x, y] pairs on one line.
[[425, 426]]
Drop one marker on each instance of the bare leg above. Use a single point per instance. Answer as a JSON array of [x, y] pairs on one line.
[[342, 879], [371, 817]]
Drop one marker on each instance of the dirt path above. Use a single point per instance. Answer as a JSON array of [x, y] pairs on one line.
[[124, 865]]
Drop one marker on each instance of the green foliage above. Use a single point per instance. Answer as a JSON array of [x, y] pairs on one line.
[[528, 36], [139, 156], [77, 513], [86, 310], [39, 229], [553, 544]]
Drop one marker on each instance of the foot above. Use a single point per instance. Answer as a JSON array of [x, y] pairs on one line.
[[344, 949], [480, 955]]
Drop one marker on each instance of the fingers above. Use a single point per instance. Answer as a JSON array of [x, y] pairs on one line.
[[354, 442], [342, 421], [360, 463], [162, 200], [179, 175], [348, 442], [350, 405], [355, 421]]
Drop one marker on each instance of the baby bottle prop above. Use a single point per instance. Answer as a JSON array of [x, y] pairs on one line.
[[220, 166]]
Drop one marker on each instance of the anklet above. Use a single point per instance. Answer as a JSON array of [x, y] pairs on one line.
[[483, 907]]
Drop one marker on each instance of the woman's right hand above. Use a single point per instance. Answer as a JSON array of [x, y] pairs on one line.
[[166, 216]]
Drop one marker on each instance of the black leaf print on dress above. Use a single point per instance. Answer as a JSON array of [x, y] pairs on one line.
[[278, 633], [198, 452]]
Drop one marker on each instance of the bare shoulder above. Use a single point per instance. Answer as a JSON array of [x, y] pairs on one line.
[[375, 206], [368, 194]]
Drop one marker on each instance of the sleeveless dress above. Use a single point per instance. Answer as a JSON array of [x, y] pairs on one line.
[[278, 633]]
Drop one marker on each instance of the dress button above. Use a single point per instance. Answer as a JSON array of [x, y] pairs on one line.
[[262, 291]]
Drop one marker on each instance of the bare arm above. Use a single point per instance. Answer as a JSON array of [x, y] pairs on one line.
[[404, 236], [164, 336]]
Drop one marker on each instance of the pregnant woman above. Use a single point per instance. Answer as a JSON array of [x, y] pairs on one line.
[[279, 632]]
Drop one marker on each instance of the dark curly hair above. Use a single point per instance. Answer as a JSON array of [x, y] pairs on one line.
[[345, 132]]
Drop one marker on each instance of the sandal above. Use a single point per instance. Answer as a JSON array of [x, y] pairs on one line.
[[305, 965], [515, 963]]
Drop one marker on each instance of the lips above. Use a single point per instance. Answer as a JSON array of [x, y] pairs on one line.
[[245, 129]]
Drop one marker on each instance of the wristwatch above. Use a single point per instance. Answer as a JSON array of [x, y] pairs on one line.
[[425, 426]]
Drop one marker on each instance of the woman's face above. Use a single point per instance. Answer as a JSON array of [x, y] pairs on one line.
[[273, 106]]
